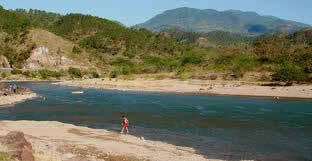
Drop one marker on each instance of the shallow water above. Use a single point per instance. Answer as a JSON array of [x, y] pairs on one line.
[[219, 127]]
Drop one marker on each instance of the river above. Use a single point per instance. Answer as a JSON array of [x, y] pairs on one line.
[[222, 127]]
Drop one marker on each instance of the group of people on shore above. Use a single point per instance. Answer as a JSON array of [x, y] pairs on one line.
[[9, 89], [13, 88]]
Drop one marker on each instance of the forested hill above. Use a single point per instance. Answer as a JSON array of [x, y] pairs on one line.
[[207, 20], [105, 44], [38, 44], [210, 38]]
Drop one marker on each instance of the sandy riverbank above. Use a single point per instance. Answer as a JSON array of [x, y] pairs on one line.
[[54, 141], [197, 86], [16, 98]]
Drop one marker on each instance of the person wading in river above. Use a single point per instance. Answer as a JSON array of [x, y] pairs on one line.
[[125, 124]]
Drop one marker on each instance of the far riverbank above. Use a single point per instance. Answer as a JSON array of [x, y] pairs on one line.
[[235, 88]]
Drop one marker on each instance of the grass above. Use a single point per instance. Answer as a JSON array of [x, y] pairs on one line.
[[161, 76], [4, 157], [129, 77]]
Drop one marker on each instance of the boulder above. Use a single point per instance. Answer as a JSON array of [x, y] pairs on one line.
[[18, 146]]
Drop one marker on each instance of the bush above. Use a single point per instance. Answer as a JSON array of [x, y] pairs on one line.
[[76, 50], [4, 75], [27, 74], [95, 74], [192, 57], [16, 71], [159, 64], [161, 76], [114, 73], [75, 72], [45, 74], [4, 157], [289, 72], [124, 66]]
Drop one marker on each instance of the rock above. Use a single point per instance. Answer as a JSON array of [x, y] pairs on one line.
[[18, 146], [42, 57]]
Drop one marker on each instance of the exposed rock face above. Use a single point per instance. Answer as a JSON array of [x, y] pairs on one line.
[[4, 63], [18, 146], [42, 58]]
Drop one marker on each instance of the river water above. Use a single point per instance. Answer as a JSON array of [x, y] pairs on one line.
[[218, 127]]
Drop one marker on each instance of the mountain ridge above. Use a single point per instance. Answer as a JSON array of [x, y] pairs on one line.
[[207, 20]]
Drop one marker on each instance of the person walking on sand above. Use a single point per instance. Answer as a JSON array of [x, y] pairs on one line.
[[125, 124]]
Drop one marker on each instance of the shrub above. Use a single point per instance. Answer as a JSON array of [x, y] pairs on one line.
[[192, 57], [45, 74], [16, 71], [161, 76], [159, 64], [305, 60], [76, 50], [4, 157], [95, 74], [124, 66], [114, 73], [185, 75], [4, 75], [27, 74], [289, 72], [75, 72], [122, 62]]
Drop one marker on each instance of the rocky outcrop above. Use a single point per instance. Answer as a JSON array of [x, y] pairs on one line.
[[42, 57], [19, 148]]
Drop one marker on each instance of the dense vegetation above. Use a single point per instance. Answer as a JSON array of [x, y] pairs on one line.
[[116, 50], [214, 37]]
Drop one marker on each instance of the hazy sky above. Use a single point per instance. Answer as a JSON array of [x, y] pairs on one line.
[[131, 12]]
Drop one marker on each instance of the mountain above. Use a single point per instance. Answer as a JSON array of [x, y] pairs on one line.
[[207, 20]]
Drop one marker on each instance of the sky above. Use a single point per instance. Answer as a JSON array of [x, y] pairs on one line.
[[131, 12]]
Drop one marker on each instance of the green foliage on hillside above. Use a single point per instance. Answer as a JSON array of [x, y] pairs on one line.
[[41, 19], [215, 37], [207, 20], [13, 23], [118, 50]]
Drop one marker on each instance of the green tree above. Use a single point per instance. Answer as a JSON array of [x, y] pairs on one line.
[[75, 72], [289, 72]]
